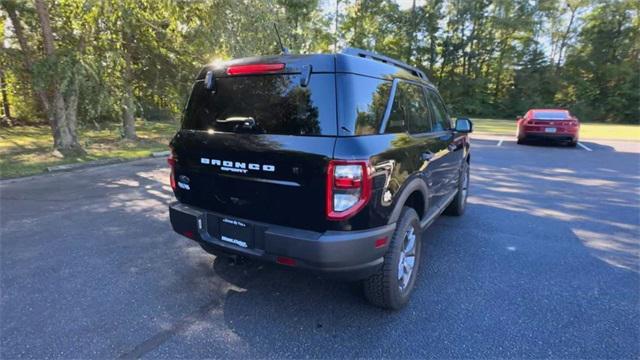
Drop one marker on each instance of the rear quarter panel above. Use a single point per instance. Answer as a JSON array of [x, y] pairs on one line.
[[392, 169]]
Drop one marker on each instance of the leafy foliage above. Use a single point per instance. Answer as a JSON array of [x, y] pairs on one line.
[[115, 60]]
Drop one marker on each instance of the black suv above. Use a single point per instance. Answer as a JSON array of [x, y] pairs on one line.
[[332, 162]]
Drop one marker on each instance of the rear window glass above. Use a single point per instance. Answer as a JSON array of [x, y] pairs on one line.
[[550, 115], [270, 104], [362, 101]]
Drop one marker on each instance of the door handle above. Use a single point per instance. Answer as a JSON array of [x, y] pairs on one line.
[[426, 156]]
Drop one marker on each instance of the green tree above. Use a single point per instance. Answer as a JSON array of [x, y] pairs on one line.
[[88, 62], [602, 81]]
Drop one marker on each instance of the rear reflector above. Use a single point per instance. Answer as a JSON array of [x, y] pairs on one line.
[[188, 233], [171, 160], [172, 179], [286, 261], [381, 242], [254, 69]]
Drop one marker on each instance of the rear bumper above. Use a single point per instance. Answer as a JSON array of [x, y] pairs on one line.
[[563, 136], [345, 254]]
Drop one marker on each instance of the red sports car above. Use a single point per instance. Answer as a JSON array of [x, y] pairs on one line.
[[551, 124]]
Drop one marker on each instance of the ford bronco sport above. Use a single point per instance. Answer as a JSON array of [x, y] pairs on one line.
[[334, 163]]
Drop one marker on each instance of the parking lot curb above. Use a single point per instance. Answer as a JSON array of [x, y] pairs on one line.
[[53, 170], [77, 166], [160, 154]]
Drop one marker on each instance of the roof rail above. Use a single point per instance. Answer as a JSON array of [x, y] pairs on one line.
[[385, 59]]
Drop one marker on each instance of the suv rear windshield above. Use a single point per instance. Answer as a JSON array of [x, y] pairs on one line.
[[269, 104]]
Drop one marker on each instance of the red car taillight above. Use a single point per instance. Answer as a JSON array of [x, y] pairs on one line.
[[171, 160], [348, 188]]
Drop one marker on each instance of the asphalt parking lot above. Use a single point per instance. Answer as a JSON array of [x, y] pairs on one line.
[[544, 264]]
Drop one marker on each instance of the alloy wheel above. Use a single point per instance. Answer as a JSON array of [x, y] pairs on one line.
[[407, 258]]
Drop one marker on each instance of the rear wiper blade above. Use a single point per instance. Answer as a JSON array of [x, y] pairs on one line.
[[241, 124]]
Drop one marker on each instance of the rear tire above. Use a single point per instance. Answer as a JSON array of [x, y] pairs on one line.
[[520, 141], [392, 285], [572, 144], [459, 202]]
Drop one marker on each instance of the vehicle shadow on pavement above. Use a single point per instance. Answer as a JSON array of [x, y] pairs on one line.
[[482, 289], [541, 255]]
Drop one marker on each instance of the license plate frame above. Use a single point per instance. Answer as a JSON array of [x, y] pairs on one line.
[[236, 232]]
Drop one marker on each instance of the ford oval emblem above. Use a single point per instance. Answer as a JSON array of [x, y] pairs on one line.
[[184, 179]]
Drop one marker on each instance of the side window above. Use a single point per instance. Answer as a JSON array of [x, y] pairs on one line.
[[362, 102], [398, 114], [441, 120], [409, 111], [420, 121]]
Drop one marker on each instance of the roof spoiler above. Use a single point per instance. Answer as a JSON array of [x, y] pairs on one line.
[[385, 59]]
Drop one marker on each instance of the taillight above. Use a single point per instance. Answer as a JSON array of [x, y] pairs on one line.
[[348, 188], [171, 160], [254, 69]]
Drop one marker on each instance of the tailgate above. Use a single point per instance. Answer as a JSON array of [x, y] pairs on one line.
[[256, 146], [276, 179]]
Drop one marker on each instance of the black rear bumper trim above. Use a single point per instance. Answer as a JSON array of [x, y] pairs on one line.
[[348, 254]]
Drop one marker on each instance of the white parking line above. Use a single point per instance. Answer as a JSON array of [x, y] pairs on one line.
[[584, 146], [500, 142]]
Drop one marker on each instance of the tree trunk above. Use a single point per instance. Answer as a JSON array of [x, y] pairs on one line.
[[5, 98], [565, 36], [6, 109], [432, 52], [9, 7], [471, 53], [411, 33], [128, 118], [500, 65], [71, 110], [64, 137]]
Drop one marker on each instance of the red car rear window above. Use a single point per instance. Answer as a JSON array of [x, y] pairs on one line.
[[550, 115]]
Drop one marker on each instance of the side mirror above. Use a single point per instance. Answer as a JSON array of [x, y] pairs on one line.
[[464, 125]]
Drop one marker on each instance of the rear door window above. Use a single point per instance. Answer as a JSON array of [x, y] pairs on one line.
[[269, 104], [441, 121], [409, 111]]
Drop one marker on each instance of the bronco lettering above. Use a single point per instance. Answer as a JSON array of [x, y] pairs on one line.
[[236, 166]]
